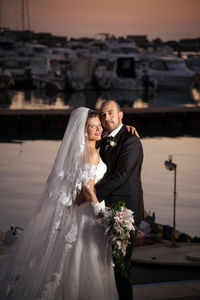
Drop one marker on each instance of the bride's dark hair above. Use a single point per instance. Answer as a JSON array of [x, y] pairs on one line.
[[92, 114]]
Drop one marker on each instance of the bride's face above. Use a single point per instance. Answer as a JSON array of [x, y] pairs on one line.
[[94, 129]]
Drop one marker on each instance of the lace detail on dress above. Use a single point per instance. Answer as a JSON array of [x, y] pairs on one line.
[[64, 209], [70, 238], [86, 174], [56, 278], [50, 288]]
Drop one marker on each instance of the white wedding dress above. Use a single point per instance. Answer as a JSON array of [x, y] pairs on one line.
[[88, 272], [63, 253], [84, 267]]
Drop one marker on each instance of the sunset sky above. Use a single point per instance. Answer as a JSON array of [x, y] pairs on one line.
[[167, 19]]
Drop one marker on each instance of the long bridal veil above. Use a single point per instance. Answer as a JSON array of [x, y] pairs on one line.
[[36, 271]]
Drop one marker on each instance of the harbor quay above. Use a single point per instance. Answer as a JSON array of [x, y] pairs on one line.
[[184, 120], [164, 272], [183, 290]]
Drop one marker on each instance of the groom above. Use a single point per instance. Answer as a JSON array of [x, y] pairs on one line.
[[123, 154]]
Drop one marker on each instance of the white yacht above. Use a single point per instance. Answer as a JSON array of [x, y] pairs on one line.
[[118, 71], [170, 72], [36, 50], [18, 68]]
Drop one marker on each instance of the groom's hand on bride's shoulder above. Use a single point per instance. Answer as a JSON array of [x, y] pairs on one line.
[[133, 130]]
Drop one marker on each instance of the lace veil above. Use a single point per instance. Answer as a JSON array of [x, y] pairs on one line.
[[53, 228]]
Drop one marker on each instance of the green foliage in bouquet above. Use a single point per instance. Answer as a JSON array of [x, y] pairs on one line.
[[121, 228]]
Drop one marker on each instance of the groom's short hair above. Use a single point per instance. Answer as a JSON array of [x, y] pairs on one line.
[[109, 101]]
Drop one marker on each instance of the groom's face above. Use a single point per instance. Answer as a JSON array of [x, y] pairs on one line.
[[111, 117]]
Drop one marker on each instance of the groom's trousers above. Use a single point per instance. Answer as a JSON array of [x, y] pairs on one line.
[[124, 284]]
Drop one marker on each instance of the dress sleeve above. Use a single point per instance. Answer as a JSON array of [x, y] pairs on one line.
[[98, 207], [87, 173], [101, 212]]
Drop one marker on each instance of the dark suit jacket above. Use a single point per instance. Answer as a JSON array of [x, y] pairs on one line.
[[122, 181]]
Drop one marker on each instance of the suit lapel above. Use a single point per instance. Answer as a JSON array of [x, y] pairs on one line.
[[110, 155], [118, 135]]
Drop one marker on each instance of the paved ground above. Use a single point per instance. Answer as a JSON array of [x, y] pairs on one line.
[[185, 290], [183, 254], [169, 259]]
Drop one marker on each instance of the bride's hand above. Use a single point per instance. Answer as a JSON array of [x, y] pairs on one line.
[[132, 129]]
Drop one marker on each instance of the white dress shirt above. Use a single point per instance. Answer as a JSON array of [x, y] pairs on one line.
[[114, 132]]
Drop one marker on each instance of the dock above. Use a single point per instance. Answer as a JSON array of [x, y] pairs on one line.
[[159, 118], [171, 272], [182, 290]]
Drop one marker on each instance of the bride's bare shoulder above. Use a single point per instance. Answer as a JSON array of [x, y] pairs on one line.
[[94, 157]]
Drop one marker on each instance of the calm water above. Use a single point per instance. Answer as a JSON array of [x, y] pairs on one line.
[[24, 168], [38, 99]]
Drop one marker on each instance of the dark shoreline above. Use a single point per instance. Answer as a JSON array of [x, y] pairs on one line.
[[51, 124]]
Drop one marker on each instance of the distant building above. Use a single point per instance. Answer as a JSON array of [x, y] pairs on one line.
[[184, 45], [18, 35], [190, 44], [50, 40], [139, 40], [176, 46], [84, 40], [157, 42], [29, 36]]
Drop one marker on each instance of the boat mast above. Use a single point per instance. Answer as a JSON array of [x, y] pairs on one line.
[[1, 23], [22, 14], [25, 16]]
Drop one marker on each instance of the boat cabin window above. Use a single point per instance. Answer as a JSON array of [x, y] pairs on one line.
[[128, 50], [115, 50], [176, 65], [16, 64], [101, 62], [158, 65], [41, 50], [126, 67]]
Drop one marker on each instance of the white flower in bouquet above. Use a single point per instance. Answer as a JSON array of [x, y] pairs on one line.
[[120, 226]]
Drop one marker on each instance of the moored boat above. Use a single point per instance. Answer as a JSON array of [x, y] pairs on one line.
[[171, 72]]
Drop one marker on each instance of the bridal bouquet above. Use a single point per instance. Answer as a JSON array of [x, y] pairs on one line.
[[121, 227]]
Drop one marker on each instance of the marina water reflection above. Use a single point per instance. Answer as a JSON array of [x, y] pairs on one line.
[[40, 99], [23, 173], [25, 166]]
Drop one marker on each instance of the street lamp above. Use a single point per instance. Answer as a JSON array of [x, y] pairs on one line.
[[172, 167]]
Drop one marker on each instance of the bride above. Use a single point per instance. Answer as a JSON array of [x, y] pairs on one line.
[[64, 254]]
